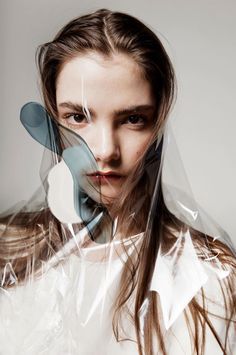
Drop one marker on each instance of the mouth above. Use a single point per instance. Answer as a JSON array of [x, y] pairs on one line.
[[105, 177]]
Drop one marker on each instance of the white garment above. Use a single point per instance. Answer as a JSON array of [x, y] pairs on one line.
[[68, 312]]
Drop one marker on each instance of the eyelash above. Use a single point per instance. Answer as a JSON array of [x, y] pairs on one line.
[[70, 115]]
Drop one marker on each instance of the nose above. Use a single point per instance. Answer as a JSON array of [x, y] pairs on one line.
[[106, 147]]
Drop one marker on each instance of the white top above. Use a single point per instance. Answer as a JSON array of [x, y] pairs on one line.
[[68, 312]]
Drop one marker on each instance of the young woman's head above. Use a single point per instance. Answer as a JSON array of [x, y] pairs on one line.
[[107, 77]]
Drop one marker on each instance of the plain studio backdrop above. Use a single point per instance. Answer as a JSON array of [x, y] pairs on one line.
[[200, 37]]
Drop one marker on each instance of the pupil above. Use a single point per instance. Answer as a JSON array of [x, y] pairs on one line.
[[77, 118], [134, 119]]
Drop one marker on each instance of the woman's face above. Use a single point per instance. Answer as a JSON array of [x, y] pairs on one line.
[[120, 110]]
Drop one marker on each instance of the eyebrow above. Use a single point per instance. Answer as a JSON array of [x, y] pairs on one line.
[[127, 110]]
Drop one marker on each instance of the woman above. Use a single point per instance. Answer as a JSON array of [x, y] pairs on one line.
[[109, 268]]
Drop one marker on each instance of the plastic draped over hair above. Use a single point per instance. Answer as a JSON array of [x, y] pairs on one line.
[[63, 251]]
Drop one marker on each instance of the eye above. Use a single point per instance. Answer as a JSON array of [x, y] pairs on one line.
[[75, 118], [136, 120]]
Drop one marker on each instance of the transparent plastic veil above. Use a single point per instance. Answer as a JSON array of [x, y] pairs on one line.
[[65, 297]]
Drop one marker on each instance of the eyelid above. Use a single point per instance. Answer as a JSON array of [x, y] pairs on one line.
[[71, 121], [69, 114], [144, 118], [139, 115]]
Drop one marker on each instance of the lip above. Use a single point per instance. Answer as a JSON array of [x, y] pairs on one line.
[[105, 173], [105, 176]]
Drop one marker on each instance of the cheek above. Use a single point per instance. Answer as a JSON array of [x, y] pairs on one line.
[[134, 149], [140, 150]]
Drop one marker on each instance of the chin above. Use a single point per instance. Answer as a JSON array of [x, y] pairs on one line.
[[109, 197]]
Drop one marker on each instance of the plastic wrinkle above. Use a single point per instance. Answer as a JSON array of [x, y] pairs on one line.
[[66, 253]]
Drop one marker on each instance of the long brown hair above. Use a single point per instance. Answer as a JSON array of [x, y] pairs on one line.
[[107, 33]]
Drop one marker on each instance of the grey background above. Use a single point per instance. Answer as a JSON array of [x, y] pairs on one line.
[[200, 39]]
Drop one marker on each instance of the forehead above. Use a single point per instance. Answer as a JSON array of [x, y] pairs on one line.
[[117, 80]]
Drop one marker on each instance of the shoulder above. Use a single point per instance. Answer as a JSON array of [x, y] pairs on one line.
[[210, 314], [216, 303]]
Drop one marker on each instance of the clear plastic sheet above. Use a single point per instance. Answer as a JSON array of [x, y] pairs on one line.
[[58, 288]]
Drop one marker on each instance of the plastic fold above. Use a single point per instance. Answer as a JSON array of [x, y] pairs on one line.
[[62, 254]]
